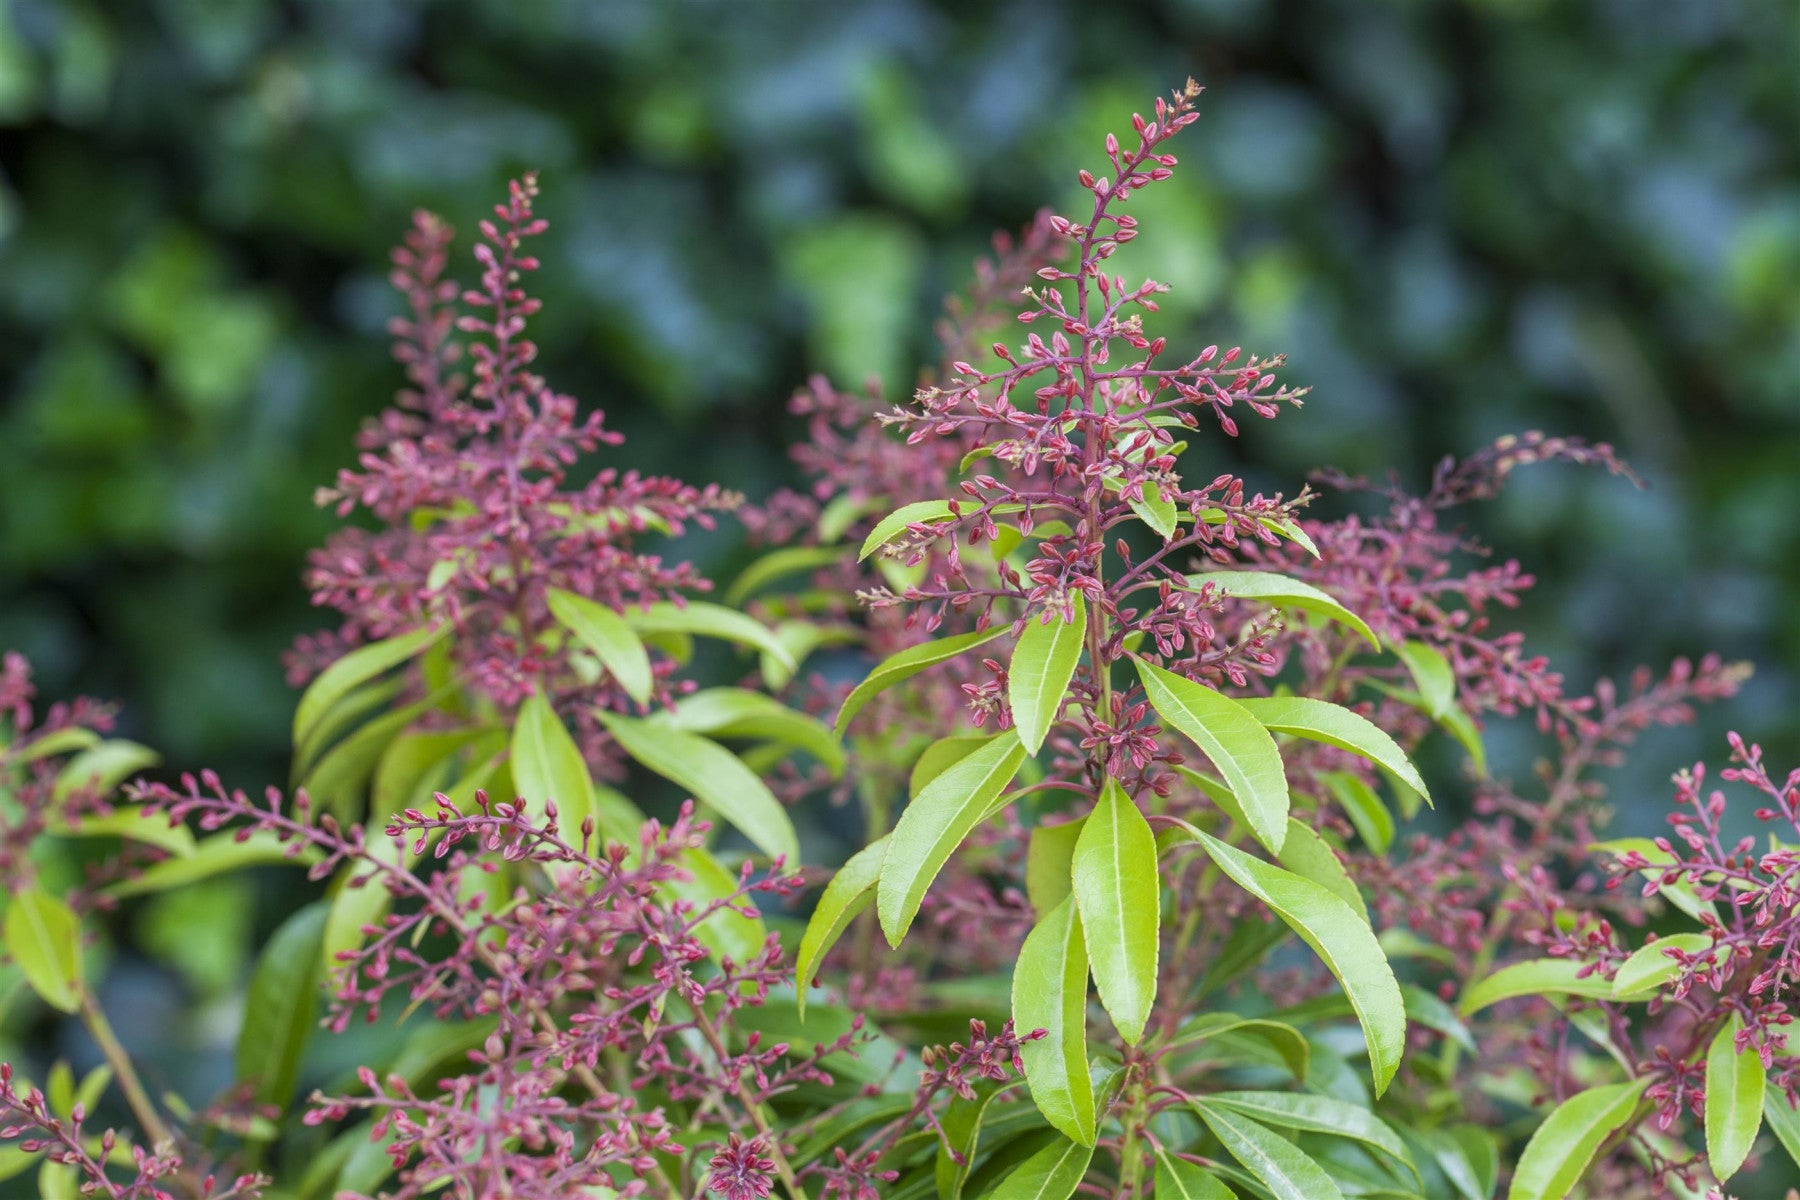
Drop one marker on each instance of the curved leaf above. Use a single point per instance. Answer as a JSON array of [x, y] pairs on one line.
[[547, 767], [919, 512], [1050, 864], [1156, 511], [1340, 938], [714, 776], [1432, 673], [1335, 725], [1178, 1179], [1119, 893], [1310, 856], [1783, 1119], [281, 1007], [1650, 966], [1734, 1099], [789, 560], [1287, 1171], [102, 768], [1049, 992], [359, 666], [43, 936], [941, 755], [607, 634], [935, 823], [1317, 1114], [1042, 664], [850, 891], [213, 856], [1373, 822], [1053, 1173], [740, 712], [709, 620], [1536, 977], [1284, 592], [906, 664], [1559, 1152], [1234, 740], [961, 1129]]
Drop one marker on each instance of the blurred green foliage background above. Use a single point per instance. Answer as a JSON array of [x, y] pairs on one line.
[[1460, 218]]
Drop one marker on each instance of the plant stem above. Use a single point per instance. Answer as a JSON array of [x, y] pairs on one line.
[[148, 1119]]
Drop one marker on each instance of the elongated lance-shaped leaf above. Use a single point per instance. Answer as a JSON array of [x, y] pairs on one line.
[[788, 560], [1338, 935], [359, 666], [1783, 1119], [1283, 592], [1651, 965], [219, 854], [1156, 510], [1234, 740], [281, 1008], [740, 712], [1534, 977], [1049, 992], [1050, 863], [43, 936], [1432, 673], [961, 1129], [919, 512], [708, 620], [940, 756], [1563, 1147], [547, 767], [1178, 1179], [850, 891], [1042, 664], [714, 776], [1053, 1173], [1119, 893], [1734, 1099], [607, 634], [1310, 856], [1317, 1114], [1335, 725], [1282, 1167], [906, 664], [934, 825]]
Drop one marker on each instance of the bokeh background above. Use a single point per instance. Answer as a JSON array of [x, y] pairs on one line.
[[1460, 218]]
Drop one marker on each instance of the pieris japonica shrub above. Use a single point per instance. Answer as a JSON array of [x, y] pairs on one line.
[[1141, 906]]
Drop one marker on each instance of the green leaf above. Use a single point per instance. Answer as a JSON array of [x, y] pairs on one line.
[[1310, 856], [1234, 740], [1283, 1168], [1374, 823], [1119, 893], [336, 782], [1335, 725], [611, 639], [1178, 1179], [281, 1007], [1341, 938], [906, 664], [1053, 1173], [1536, 977], [1288, 1044], [940, 756], [714, 776], [547, 767], [1432, 673], [935, 823], [1156, 511], [1042, 664], [1050, 864], [1283, 592], [1783, 1119], [1317, 1114], [215, 855], [1461, 726], [709, 620], [152, 829], [102, 768], [57, 741], [1559, 1152], [43, 936], [357, 667], [739, 712], [1049, 992], [919, 512], [850, 891], [961, 1128], [1734, 1099], [789, 560], [1427, 1009], [1678, 892], [1650, 966]]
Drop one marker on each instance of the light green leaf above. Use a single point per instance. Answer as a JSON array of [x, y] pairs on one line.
[[281, 1007], [1042, 664], [337, 781], [1283, 1167], [1284, 592], [1156, 511], [1288, 1044], [1310, 856], [850, 891], [1650, 966], [1049, 992], [1433, 675], [935, 823], [46, 745], [708, 620], [714, 776], [1536, 977], [43, 936], [789, 560], [1341, 938], [611, 639], [917, 513], [1678, 892], [800, 638], [1559, 1152], [910, 662], [357, 667], [1234, 740], [1050, 864], [1119, 893], [940, 756], [215, 855], [1053, 1173], [1783, 1119], [739, 712], [961, 1129], [102, 768], [1178, 1179], [547, 767], [1316, 1114], [1374, 823], [1335, 725], [152, 829], [1734, 1099]]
